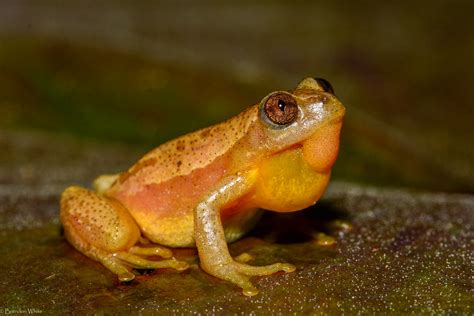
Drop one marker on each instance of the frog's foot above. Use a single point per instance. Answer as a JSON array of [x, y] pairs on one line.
[[211, 242], [119, 263], [240, 273]]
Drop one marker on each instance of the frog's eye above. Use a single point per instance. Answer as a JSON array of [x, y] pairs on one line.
[[325, 85], [280, 108]]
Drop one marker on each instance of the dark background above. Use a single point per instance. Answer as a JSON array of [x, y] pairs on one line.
[[87, 87], [141, 73]]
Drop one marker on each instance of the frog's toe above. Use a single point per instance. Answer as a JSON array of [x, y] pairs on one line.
[[141, 263], [248, 289], [126, 277], [287, 267], [243, 257], [117, 267], [181, 265], [243, 272], [240, 273], [264, 270], [243, 281], [151, 251]]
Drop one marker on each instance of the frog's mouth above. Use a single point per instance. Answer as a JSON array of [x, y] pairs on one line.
[[321, 149]]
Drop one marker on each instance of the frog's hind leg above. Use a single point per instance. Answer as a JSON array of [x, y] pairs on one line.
[[102, 229]]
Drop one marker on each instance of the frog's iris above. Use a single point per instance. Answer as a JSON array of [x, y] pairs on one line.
[[280, 109]]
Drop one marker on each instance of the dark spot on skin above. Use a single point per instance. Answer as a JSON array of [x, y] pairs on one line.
[[205, 133], [179, 163], [180, 146]]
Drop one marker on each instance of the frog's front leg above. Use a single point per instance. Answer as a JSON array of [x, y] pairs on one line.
[[211, 242], [102, 229]]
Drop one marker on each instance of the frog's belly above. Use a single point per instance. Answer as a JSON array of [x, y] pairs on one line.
[[164, 211], [169, 231], [179, 231]]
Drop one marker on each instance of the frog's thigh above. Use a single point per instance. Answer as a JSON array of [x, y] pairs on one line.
[[96, 220], [102, 229]]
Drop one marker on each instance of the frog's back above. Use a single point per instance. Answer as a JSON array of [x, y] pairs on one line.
[[166, 184], [183, 155]]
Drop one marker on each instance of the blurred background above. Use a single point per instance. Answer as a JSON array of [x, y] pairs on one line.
[[88, 87]]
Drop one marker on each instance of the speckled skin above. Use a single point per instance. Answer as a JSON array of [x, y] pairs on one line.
[[205, 189]]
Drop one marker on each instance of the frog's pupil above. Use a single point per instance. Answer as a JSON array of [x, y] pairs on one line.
[[281, 105]]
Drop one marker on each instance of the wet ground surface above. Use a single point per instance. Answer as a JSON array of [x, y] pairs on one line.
[[405, 253], [395, 250], [86, 89]]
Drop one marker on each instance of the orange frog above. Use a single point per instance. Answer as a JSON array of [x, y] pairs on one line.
[[207, 188]]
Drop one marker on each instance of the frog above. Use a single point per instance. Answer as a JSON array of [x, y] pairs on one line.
[[210, 187]]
